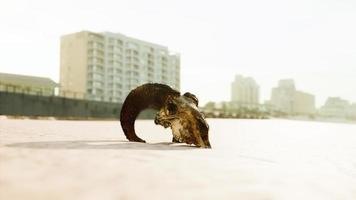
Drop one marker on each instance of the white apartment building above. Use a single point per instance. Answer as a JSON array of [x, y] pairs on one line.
[[244, 92], [335, 107], [285, 98], [107, 66]]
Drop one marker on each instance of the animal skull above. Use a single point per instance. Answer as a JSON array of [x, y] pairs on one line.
[[187, 122], [179, 112]]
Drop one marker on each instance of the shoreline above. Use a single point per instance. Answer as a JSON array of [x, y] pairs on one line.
[[319, 119]]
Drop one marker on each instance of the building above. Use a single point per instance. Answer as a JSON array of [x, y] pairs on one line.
[[244, 92], [27, 84], [335, 107], [304, 103], [107, 66], [282, 97], [285, 98], [352, 111]]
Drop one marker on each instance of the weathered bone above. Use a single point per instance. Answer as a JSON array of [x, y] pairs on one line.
[[162, 97]]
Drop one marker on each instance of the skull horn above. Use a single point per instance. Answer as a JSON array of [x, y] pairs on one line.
[[149, 95]]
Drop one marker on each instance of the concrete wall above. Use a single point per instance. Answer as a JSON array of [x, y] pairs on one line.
[[16, 104], [73, 65]]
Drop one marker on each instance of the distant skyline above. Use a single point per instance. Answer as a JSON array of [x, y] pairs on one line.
[[310, 41]]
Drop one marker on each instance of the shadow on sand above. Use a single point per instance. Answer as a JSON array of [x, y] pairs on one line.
[[102, 144]]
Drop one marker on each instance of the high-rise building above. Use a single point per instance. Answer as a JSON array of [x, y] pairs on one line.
[[282, 97], [107, 66], [244, 92], [285, 98]]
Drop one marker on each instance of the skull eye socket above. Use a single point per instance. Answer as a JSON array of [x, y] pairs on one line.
[[172, 108]]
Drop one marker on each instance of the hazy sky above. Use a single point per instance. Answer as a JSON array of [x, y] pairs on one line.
[[311, 41]]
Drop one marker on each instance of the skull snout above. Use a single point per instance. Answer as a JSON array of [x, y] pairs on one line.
[[161, 121]]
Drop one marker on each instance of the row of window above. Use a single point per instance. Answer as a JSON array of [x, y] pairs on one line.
[[98, 56], [131, 48], [115, 62], [96, 52], [115, 55], [115, 49], [134, 67], [99, 84], [114, 70], [115, 41], [95, 45], [117, 93], [95, 60]]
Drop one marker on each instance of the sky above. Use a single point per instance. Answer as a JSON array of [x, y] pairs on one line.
[[310, 41]]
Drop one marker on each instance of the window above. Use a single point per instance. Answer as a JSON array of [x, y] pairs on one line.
[[119, 42], [132, 45], [97, 76], [110, 70], [111, 47], [117, 56], [118, 85], [117, 63], [97, 84]]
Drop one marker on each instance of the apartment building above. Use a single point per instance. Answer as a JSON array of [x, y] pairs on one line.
[[335, 107], [285, 98], [244, 92], [107, 66]]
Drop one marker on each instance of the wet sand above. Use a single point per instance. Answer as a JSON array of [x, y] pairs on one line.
[[250, 159]]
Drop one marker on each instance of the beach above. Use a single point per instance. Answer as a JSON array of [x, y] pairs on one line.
[[250, 159]]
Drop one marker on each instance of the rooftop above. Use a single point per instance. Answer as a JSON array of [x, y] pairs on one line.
[[16, 79]]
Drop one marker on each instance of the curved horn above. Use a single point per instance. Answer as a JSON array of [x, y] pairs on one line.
[[149, 95], [192, 97]]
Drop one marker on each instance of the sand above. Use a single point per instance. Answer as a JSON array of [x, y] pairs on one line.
[[250, 159]]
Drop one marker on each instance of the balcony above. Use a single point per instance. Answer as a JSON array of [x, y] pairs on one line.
[[96, 45], [118, 71], [136, 67], [96, 54], [95, 61]]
